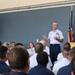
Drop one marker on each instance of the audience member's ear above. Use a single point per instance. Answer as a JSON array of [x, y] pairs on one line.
[[28, 63], [69, 57], [72, 73]]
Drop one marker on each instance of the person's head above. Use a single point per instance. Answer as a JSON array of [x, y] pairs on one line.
[[55, 25], [43, 42], [7, 44], [66, 49], [72, 53], [19, 58], [18, 44], [42, 58], [73, 66], [67, 46], [12, 44], [39, 48], [3, 53], [31, 45]]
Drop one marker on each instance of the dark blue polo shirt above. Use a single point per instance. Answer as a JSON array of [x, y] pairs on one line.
[[66, 70], [18, 73], [4, 68], [40, 70]]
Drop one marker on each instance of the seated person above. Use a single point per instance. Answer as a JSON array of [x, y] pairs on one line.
[[66, 70], [46, 48], [73, 66], [18, 44], [7, 44], [60, 55], [38, 48], [40, 69], [31, 49], [4, 68], [19, 60], [12, 44], [65, 61]]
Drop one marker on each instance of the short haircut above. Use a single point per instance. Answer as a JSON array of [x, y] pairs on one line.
[[73, 65], [55, 22], [66, 49], [18, 57], [3, 51], [67, 46], [6, 44], [39, 48], [72, 52], [18, 44], [13, 42], [42, 58]]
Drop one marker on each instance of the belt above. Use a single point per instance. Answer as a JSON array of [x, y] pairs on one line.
[[54, 44]]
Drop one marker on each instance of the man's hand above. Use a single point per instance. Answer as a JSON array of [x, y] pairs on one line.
[[55, 38], [44, 36], [46, 39]]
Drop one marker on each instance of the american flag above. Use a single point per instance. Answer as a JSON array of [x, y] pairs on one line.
[[70, 32]]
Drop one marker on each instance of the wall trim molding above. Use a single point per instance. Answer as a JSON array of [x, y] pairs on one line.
[[39, 6]]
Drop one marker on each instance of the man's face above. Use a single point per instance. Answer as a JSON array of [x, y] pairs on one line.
[[54, 25], [13, 44]]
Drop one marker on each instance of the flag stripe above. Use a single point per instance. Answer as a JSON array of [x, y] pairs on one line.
[[70, 32]]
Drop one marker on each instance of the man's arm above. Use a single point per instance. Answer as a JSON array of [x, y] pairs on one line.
[[46, 39], [60, 40]]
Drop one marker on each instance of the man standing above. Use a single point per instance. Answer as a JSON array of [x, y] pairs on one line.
[[55, 37]]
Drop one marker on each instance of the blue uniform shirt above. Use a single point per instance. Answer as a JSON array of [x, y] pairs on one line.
[[18, 73], [40, 70], [66, 70], [4, 68]]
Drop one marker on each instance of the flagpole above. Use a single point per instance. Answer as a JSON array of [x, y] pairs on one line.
[[71, 23], [71, 11], [70, 32]]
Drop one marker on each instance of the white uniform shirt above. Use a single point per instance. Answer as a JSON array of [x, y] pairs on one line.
[[60, 64], [33, 62], [47, 50], [60, 57], [52, 34], [31, 51], [7, 62]]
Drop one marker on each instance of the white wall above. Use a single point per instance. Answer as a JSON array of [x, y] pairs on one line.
[[5, 4], [17, 3]]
